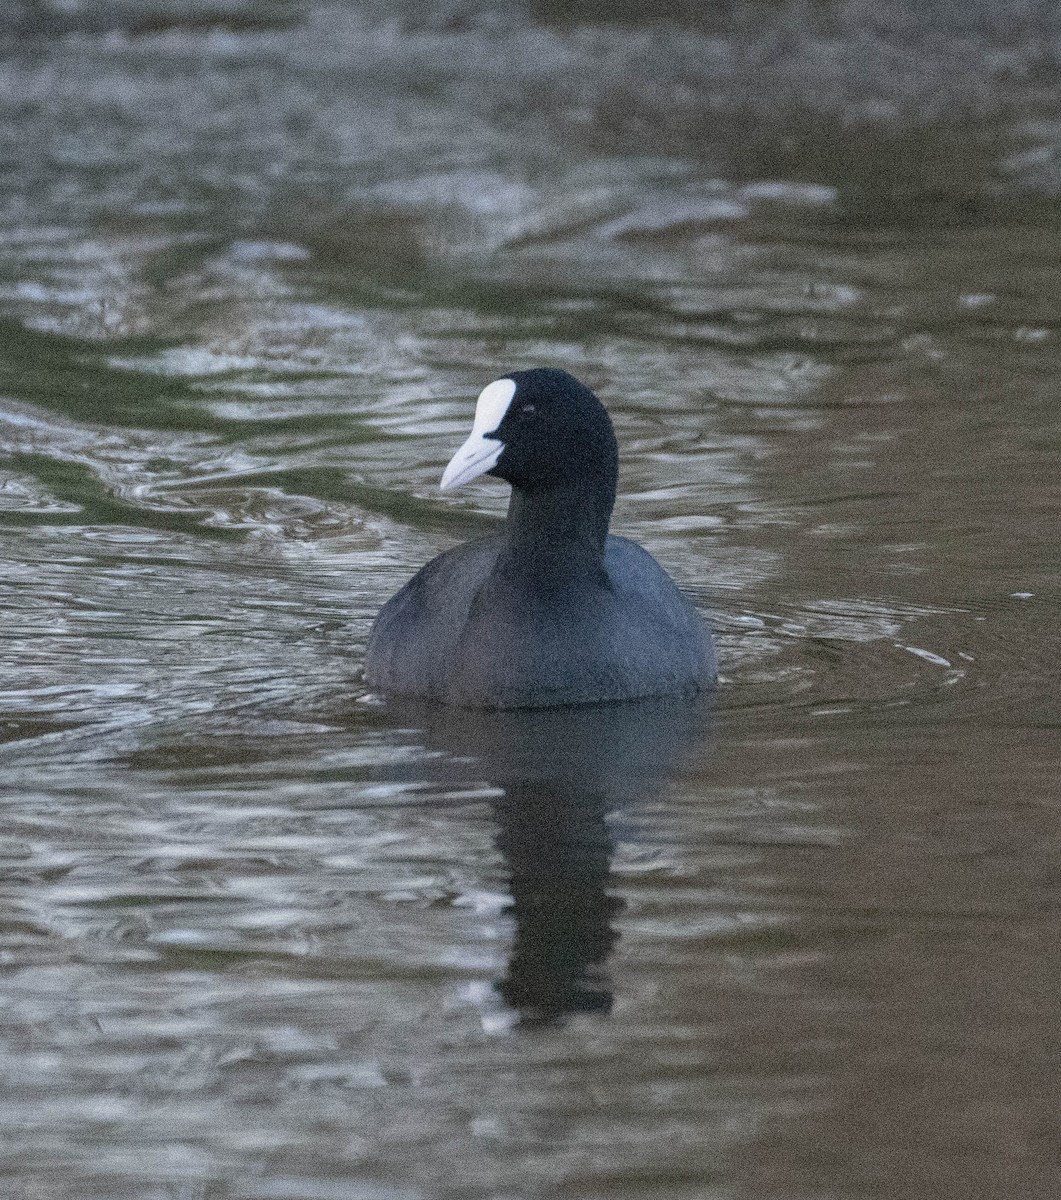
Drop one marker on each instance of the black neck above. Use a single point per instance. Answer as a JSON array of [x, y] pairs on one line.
[[563, 525]]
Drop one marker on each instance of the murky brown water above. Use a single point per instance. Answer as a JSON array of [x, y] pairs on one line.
[[265, 937]]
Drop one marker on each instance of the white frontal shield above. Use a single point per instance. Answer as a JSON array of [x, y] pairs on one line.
[[481, 451]]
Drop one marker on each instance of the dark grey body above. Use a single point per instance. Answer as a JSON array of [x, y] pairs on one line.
[[485, 626]]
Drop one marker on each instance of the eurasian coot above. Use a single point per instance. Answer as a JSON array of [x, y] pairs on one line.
[[550, 610]]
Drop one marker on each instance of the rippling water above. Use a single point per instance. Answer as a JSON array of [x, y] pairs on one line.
[[266, 936]]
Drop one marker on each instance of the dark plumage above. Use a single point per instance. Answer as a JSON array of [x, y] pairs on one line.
[[550, 610]]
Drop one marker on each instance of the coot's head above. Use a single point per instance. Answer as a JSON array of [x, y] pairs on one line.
[[539, 430]]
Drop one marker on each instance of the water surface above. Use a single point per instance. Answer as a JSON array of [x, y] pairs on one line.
[[264, 936]]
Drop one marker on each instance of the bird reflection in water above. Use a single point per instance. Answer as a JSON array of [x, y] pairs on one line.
[[563, 773]]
